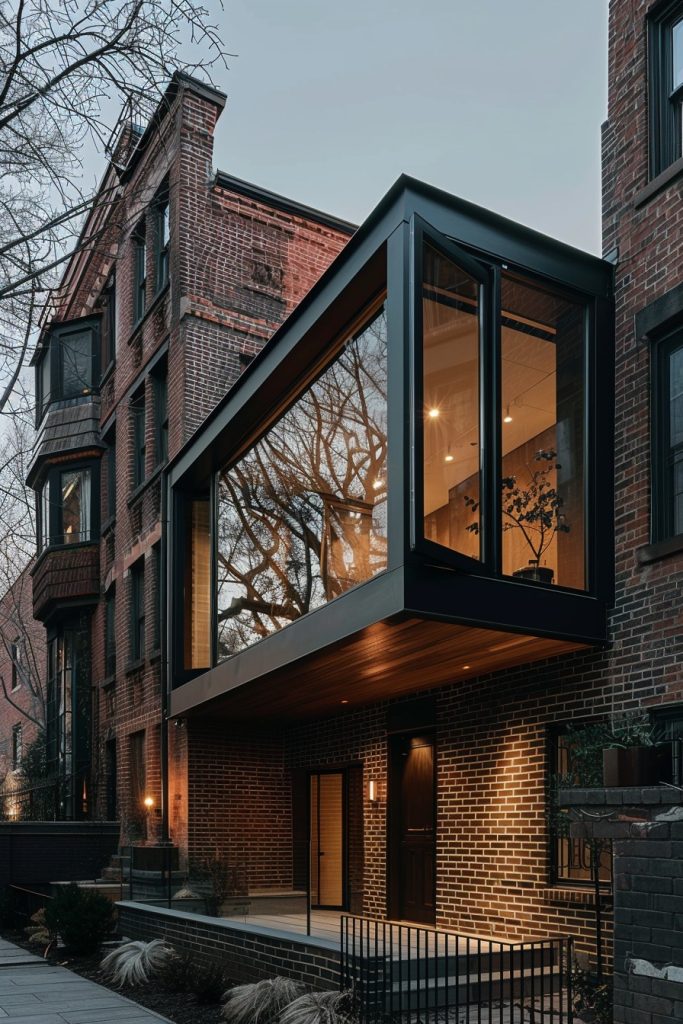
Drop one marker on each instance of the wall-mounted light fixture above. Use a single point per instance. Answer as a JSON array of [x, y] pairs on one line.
[[373, 796]]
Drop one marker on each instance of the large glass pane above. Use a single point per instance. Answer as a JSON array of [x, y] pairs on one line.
[[450, 412], [75, 495], [542, 484], [302, 516], [677, 40], [76, 363], [197, 641]]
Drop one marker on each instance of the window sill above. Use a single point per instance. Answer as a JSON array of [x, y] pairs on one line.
[[155, 655], [76, 546], [661, 549], [109, 681], [567, 893], [135, 666], [136, 494], [658, 184]]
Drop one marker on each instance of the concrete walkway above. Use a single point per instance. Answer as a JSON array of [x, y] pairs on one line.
[[33, 991]]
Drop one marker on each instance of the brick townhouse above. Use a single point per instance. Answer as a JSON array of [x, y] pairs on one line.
[[182, 275], [320, 639]]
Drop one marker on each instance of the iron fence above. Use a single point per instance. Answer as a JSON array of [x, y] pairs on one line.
[[413, 973]]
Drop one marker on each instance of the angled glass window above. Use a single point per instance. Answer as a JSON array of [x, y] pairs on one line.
[[450, 403], [302, 515], [543, 401], [76, 363]]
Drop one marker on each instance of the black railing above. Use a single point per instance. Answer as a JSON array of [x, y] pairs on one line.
[[404, 972]]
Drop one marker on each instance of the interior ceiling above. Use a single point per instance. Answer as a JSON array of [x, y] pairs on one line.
[[451, 386]]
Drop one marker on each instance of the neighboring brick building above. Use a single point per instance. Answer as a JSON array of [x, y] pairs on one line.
[[187, 274], [411, 638]]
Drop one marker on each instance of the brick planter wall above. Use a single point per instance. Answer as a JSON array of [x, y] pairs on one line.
[[248, 953]]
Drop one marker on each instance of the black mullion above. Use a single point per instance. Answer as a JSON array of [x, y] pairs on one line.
[[490, 403]]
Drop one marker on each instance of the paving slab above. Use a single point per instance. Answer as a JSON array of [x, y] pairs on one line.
[[33, 991]]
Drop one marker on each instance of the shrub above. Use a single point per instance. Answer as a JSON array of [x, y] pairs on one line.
[[134, 963], [81, 917], [177, 975], [261, 1002], [37, 932], [319, 1008]]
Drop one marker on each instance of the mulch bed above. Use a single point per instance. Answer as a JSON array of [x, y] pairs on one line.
[[180, 1007]]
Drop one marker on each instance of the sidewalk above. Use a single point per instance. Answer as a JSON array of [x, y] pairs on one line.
[[33, 991]]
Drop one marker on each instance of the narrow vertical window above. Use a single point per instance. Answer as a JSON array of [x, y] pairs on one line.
[[16, 748], [667, 429], [110, 633], [15, 654], [160, 380], [156, 597], [137, 409], [137, 611], [139, 273], [163, 239], [109, 322]]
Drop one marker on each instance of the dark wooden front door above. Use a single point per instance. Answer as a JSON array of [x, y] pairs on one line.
[[413, 836]]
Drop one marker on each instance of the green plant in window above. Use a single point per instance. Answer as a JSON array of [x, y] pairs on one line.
[[535, 508]]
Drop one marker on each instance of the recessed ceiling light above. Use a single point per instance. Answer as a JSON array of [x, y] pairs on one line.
[[465, 667], [344, 702], [507, 418], [449, 458], [433, 413], [376, 484]]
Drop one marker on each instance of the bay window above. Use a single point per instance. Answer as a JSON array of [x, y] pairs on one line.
[[68, 366], [68, 510]]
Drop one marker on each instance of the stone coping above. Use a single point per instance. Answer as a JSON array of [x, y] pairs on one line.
[[620, 797], [222, 924]]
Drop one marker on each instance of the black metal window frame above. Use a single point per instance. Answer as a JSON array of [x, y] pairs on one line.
[[110, 462], [664, 456], [160, 390], [156, 597], [487, 274], [49, 505], [53, 351], [137, 611], [110, 632], [162, 238], [139, 271], [138, 415], [665, 103], [668, 728]]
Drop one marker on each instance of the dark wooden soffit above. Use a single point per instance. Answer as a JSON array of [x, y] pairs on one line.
[[387, 659]]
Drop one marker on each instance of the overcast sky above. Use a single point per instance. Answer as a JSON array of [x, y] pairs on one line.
[[499, 102]]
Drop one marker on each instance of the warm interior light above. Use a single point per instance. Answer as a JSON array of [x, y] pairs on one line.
[[372, 791], [433, 413], [376, 484], [507, 418], [465, 667], [344, 702], [449, 458], [148, 802]]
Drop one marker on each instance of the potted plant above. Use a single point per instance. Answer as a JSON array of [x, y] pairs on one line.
[[629, 757], [535, 510]]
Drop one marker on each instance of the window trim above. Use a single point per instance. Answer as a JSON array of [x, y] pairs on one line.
[[162, 253], [14, 649], [665, 111], [138, 411], [661, 512], [159, 377], [139, 272], [110, 633]]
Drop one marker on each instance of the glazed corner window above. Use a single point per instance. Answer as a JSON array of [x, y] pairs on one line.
[[665, 33], [138, 423], [302, 515], [139, 272], [163, 240], [69, 366], [16, 748], [75, 492], [667, 434], [137, 610]]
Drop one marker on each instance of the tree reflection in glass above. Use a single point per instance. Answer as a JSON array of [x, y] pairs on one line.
[[302, 516]]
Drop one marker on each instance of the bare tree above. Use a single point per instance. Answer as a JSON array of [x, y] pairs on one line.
[[302, 516], [66, 68]]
